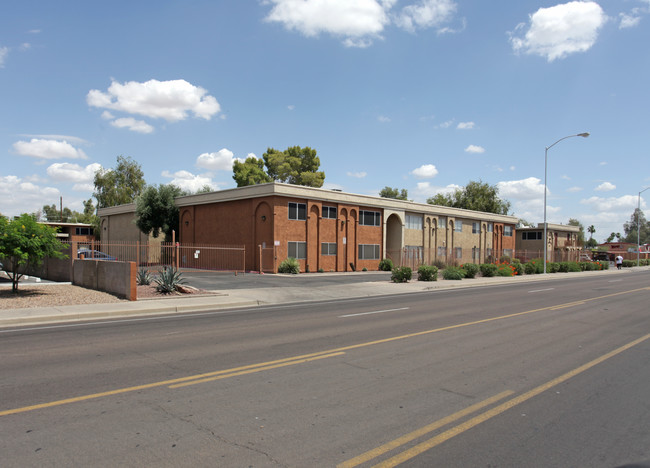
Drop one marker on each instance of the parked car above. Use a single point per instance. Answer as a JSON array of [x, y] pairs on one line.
[[94, 255]]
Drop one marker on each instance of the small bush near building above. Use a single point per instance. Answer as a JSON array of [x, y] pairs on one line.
[[453, 273], [470, 270], [504, 259], [289, 265], [629, 263], [519, 268], [505, 269], [427, 273], [143, 277], [488, 269], [401, 274], [603, 265], [552, 267], [439, 264], [168, 280], [534, 267], [386, 264]]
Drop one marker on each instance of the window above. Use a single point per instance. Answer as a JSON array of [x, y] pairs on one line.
[[328, 248], [329, 212], [369, 218], [297, 250], [442, 251], [490, 227], [368, 251], [534, 235], [458, 252], [488, 252], [298, 211], [441, 222], [476, 228], [476, 254], [414, 252], [413, 222], [458, 226], [507, 252], [84, 231], [507, 231]]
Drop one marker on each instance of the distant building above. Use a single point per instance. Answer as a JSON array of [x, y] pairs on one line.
[[562, 242], [74, 232]]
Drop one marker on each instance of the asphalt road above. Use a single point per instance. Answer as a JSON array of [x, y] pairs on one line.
[[539, 374]]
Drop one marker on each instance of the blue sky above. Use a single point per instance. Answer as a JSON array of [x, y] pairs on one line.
[[424, 95]]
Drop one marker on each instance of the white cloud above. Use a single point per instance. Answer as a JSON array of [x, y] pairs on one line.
[[358, 23], [383, 119], [358, 175], [132, 124], [524, 189], [561, 30], [4, 52], [21, 196], [465, 125], [188, 181], [169, 100], [67, 172], [426, 14], [475, 149], [222, 160], [425, 190], [628, 21], [48, 149], [68, 138], [574, 189], [605, 187], [426, 171], [625, 204]]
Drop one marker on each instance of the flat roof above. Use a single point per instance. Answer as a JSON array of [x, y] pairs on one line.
[[333, 196]]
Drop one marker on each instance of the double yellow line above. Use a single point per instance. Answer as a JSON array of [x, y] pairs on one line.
[[475, 421], [252, 368]]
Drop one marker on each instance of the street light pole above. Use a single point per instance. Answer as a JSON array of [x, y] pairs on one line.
[[583, 135], [638, 227]]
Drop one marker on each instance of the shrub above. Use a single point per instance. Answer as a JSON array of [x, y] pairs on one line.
[[364, 269], [505, 269], [628, 263], [427, 273], [488, 269], [552, 267], [470, 270], [504, 259], [143, 277], [519, 268], [401, 274], [604, 265], [289, 265], [168, 280], [320, 270], [439, 264], [534, 267], [453, 273], [386, 265]]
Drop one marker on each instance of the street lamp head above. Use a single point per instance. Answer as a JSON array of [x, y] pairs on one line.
[[583, 135]]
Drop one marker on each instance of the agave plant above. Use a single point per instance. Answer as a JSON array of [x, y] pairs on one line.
[[168, 280], [143, 277]]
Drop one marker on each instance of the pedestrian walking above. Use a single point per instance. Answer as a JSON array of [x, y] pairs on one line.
[[619, 262]]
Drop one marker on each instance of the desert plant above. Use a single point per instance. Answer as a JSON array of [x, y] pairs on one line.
[[439, 264], [470, 270], [629, 263], [534, 267], [552, 267], [506, 269], [488, 269], [143, 277], [364, 269], [289, 265], [401, 274], [320, 270], [168, 280], [519, 268], [427, 273], [386, 264], [453, 273]]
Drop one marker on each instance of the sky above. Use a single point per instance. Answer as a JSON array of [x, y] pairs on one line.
[[423, 95]]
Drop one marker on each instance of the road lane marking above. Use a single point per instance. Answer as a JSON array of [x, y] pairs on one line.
[[256, 369], [374, 453], [541, 290], [568, 304], [497, 410], [374, 312], [614, 281], [330, 351]]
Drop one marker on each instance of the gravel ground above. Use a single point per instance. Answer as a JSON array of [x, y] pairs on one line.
[[55, 295]]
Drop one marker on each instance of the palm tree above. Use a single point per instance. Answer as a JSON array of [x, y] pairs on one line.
[[591, 230]]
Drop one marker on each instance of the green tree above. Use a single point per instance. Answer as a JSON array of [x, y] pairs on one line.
[[250, 172], [295, 165], [581, 233], [120, 185], [155, 210], [477, 196], [631, 228], [610, 237], [25, 243], [388, 192]]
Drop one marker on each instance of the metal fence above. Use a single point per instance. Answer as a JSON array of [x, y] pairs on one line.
[[186, 256]]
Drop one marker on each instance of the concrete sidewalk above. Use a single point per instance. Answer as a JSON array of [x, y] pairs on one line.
[[254, 297]]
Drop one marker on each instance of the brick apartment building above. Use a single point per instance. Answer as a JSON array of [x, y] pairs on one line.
[[336, 231]]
